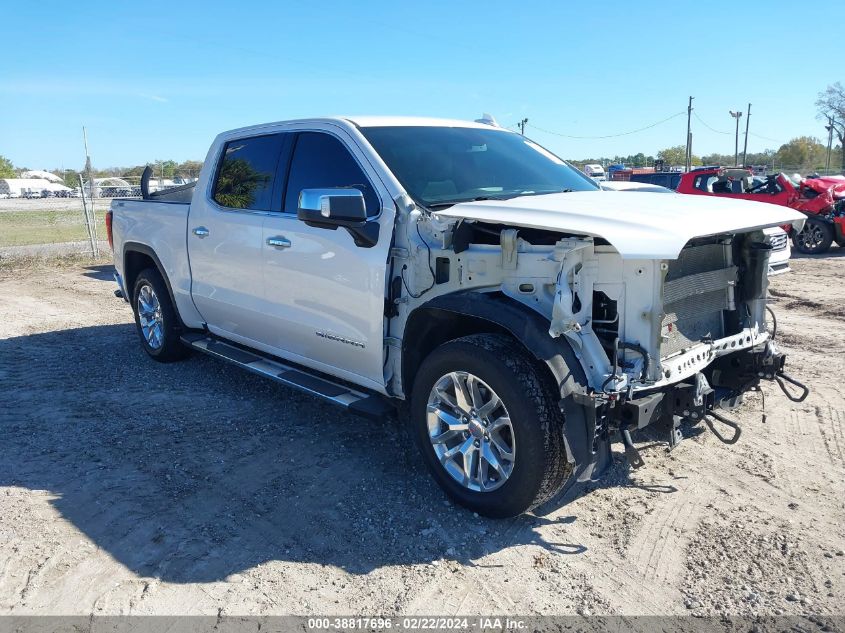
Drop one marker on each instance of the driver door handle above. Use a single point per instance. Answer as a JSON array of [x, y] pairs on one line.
[[201, 231], [278, 241]]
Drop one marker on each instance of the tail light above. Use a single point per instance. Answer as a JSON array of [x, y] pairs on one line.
[[108, 230]]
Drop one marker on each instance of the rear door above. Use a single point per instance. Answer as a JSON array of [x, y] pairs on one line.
[[325, 295], [225, 231]]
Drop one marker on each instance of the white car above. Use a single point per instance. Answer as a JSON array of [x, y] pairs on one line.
[[522, 317]]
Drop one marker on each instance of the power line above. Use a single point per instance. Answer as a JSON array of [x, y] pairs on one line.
[[712, 129], [647, 127], [773, 140], [704, 123]]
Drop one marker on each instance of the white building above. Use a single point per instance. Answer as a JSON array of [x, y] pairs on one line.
[[43, 175], [20, 186]]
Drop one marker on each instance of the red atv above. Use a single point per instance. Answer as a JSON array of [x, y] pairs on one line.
[[821, 199]]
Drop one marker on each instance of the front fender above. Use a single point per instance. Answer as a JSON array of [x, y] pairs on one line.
[[586, 439]]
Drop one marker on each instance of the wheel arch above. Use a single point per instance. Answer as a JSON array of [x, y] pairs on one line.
[[450, 317], [138, 257]]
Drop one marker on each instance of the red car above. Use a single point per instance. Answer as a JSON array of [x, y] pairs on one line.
[[821, 199]]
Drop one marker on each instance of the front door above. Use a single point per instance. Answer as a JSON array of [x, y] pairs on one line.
[[324, 294]]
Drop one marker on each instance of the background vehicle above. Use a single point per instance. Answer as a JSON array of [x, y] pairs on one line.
[[668, 179], [596, 172], [521, 316], [816, 198]]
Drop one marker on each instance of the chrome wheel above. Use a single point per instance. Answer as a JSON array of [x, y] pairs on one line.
[[149, 316], [471, 432], [811, 236]]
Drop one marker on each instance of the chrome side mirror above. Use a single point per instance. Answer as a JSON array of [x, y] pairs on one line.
[[331, 208], [341, 206]]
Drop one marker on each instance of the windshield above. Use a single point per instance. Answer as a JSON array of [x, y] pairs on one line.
[[440, 166]]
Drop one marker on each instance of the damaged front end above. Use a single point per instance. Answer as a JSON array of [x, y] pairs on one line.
[[682, 357], [642, 318]]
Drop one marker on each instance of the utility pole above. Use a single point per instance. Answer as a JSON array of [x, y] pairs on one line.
[[92, 190], [88, 205], [688, 160], [737, 115], [745, 146], [521, 126], [829, 128]]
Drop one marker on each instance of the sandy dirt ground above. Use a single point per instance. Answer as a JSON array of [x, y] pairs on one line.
[[128, 486]]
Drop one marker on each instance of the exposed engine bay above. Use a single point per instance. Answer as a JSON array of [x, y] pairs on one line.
[[669, 340]]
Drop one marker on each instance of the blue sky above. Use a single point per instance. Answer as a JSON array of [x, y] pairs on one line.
[[159, 80]]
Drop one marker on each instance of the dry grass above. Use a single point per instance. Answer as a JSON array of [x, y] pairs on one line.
[[9, 266], [45, 226]]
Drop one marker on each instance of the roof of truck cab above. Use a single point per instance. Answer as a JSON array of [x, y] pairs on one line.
[[412, 121], [366, 122]]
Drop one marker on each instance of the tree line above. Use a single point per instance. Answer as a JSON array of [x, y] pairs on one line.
[[803, 154], [168, 169]]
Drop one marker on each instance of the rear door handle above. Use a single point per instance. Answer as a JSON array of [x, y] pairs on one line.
[[201, 232], [278, 242]]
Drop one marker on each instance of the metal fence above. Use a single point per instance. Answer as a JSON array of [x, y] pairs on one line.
[[66, 222], [52, 225]]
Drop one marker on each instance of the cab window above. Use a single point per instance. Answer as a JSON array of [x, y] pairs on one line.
[[321, 161], [705, 183], [247, 173]]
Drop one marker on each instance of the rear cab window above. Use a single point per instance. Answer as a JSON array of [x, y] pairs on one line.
[[247, 173]]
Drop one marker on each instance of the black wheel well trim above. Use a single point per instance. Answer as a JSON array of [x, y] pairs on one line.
[[818, 217], [587, 449], [143, 249], [499, 313]]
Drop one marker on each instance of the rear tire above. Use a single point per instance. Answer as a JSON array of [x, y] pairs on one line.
[[815, 238], [155, 318], [491, 368]]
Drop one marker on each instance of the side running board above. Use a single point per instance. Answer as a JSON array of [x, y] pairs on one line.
[[370, 405]]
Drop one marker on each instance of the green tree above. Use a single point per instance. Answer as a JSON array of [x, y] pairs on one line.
[[676, 156], [69, 177], [165, 168], [7, 169], [133, 172], [802, 153], [717, 159], [188, 169]]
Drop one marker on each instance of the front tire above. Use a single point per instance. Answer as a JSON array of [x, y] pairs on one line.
[[488, 426], [814, 238], [155, 318]]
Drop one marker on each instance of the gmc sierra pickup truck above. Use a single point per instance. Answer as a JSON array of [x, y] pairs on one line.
[[518, 317]]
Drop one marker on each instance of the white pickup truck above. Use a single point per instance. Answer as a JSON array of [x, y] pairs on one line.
[[516, 315]]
